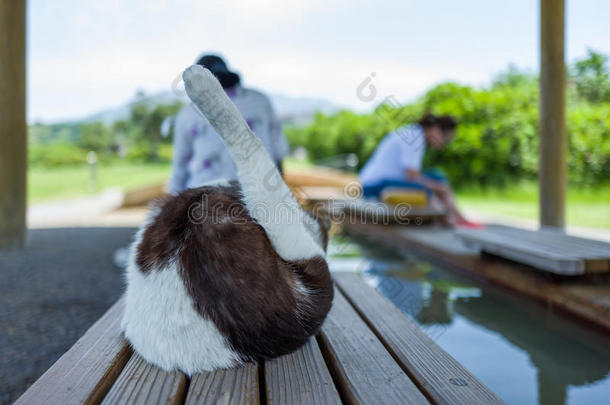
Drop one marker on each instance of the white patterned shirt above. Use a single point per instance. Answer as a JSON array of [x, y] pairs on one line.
[[200, 154]]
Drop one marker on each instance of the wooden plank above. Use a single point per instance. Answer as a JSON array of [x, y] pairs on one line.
[[523, 252], [550, 251], [549, 233], [300, 378], [518, 241], [559, 265], [142, 383], [85, 373], [436, 373], [13, 130], [319, 194], [231, 386], [580, 247], [595, 254], [377, 212], [142, 196], [319, 176], [364, 370], [442, 239]]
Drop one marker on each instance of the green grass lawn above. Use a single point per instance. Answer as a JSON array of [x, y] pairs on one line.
[[291, 163], [586, 207], [64, 182], [589, 208], [45, 184]]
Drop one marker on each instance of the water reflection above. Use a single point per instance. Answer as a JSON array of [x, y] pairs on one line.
[[567, 363]]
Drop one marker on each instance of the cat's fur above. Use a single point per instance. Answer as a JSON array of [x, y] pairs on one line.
[[229, 273]]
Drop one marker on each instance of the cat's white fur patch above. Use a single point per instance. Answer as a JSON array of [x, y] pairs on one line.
[[272, 205], [162, 325], [217, 182]]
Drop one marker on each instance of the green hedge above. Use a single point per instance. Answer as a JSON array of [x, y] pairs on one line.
[[136, 139], [497, 138], [57, 153]]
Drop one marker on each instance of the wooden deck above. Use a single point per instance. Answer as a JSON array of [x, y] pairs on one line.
[[376, 212], [545, 250], [368, 352], [586, 299]]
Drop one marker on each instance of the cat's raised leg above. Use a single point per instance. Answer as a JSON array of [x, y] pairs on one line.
[[267, 197]]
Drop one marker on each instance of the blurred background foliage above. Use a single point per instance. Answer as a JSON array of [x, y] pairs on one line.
[[497, 139], [492, 161], [135, 139], [496, 143]]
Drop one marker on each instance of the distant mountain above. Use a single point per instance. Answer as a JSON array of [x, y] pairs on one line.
[[290, 110], [111, 115]]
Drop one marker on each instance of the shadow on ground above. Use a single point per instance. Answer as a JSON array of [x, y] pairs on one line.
[[50, 293]]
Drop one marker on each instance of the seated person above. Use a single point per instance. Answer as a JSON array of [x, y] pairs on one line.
[[397, 163]]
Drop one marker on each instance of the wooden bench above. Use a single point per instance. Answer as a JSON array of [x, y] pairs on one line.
[[367, 352], [546, 250], [376, 212]]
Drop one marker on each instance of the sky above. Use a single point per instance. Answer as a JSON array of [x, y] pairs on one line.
[[85, 56]]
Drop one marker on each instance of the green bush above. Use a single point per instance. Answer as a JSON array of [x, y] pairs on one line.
[[137, 138], [142, 131], [497, 137], [589, 143], [140, 152], [56, 153]]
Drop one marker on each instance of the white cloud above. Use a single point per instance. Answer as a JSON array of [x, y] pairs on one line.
[[88, 55]]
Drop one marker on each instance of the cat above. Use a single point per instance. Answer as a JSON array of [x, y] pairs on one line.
[[227, 273]]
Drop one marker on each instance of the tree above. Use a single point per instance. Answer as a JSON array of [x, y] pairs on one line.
[[95, 136], [590, 75], [143, 129]]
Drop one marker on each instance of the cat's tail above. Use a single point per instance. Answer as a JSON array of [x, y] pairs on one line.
[[267, 197]]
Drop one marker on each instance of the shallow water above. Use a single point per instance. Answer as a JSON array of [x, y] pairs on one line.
[[520, 349]]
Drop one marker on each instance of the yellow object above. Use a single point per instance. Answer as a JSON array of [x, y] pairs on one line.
[[395, 196]]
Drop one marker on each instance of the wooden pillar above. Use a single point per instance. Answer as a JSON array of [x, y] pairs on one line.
[[553, 141], [13, 137]]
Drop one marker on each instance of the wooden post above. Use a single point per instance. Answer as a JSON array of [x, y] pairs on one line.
[[553, 141], [13, 137]]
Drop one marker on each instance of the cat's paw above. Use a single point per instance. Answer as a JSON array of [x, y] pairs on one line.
[[199, 80]]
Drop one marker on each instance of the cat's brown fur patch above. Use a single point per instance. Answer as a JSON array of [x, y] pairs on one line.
[[233, 274]]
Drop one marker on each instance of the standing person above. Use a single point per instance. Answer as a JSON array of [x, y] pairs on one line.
[[397, 163], [200, 155]]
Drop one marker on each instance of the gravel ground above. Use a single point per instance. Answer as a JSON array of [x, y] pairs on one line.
[[50, 293]]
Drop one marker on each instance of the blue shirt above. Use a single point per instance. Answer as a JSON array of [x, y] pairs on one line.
[[400, 150]]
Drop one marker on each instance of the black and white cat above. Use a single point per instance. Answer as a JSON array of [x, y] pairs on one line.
[[227, 273]]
